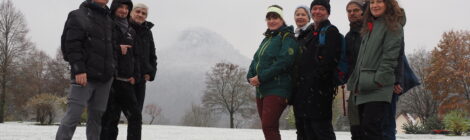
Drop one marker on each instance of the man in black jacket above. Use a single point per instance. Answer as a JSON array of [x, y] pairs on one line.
[[145, 47], [122, 96], [355, 10], [87, 46], [317, 66]]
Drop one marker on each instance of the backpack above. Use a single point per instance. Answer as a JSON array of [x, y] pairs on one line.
[[342, 67]]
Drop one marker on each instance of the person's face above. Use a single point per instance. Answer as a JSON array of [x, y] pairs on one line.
[[122, 11], [301, 17], [274, 23], [354, 13], [101, 2], [319, 13], [377, 8], [139, 15]]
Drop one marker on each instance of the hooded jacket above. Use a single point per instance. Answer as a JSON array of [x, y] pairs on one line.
[[116, 4], [273, 62], [374, 75], [145, 46], [128, 64], [87, 42]]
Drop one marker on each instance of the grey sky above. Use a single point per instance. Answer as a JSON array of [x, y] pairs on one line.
[[241, 22]]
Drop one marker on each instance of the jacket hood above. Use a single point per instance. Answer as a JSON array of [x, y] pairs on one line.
[[283, 28], [115, 4], [146, 25], [403, 22], [89, 4]]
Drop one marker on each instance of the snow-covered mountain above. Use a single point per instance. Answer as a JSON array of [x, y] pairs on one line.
[[182, 67]]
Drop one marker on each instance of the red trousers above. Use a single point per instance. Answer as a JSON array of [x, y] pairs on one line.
[[270, 109]]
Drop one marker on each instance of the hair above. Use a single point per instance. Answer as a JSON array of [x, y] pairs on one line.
[[394, 16], [140, 5], [272, 15]]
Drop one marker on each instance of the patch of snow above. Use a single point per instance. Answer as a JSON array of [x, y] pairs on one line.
[[30, 131]]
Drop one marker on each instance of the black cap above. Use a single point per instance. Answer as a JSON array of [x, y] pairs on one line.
[[324, 3]]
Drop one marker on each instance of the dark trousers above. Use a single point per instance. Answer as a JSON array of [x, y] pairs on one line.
[[356, 132], [139, 89], [372, 116], [122, 98], [299, 125], [317, 130], [270, 109], [389, 124]]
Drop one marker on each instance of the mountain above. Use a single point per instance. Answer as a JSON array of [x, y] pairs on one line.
[[180, 79]]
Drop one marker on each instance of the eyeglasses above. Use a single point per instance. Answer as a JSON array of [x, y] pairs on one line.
[[356, 10]]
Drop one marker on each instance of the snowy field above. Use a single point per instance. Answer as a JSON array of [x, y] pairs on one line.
[[29, 131]]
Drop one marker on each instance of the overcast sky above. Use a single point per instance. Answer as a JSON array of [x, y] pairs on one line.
[[241, 22]]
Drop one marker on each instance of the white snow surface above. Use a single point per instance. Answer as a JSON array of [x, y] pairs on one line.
[[30, 131]]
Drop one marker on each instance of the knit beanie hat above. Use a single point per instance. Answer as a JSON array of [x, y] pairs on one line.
[[324, 3], [277, 10], [309, 14], [360, 3]]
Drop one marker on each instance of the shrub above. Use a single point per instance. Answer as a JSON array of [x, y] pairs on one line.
[[433, 123], [457, 122], [44, 106], [414, 128]]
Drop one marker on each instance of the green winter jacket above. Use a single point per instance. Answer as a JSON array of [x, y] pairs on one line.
[[273, 63], [373, 77]]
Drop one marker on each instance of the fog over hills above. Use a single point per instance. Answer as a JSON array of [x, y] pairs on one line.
[[182, 68]]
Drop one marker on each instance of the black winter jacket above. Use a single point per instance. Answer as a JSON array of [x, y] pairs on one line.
[[146, 47], [353, 43], [87, 42], [317, 66], [128, 64]]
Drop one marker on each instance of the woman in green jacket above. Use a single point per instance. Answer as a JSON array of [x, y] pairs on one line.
[[373, 78], [270, 71]]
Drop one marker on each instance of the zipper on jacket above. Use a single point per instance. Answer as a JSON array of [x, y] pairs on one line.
[[261, 52]]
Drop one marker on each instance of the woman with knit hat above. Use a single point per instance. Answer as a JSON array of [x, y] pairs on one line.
[[270, 72], [373, 78], [302, 18], [317, 63]]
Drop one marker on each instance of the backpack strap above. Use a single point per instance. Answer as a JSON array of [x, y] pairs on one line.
[[284, 35], [322, 36]]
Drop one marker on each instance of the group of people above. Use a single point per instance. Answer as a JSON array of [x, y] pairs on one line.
[[111, 53], [305, 66]]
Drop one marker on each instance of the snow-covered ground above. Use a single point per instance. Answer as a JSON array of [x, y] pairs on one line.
[[29, 131]]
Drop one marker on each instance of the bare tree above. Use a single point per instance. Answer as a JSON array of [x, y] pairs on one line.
[[12, 40], [58, 74], [153, 111], [419, 100], [228, 91], [199, 116]]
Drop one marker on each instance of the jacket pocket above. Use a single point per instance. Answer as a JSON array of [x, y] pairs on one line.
[[366, 80]]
